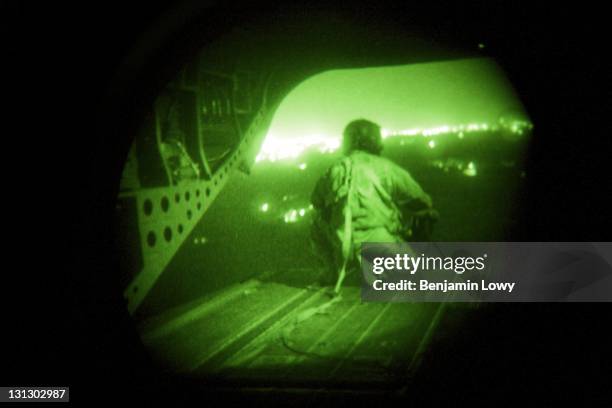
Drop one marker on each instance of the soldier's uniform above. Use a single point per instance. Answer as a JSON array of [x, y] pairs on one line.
[[362, 198]]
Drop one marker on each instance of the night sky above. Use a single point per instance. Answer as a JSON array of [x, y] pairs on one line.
[[397, 97]]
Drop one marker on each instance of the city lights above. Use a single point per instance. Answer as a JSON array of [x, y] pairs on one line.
[[293, 215], [470, 171], [277, 148]]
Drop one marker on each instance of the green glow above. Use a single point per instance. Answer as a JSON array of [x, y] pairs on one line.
[[421, 107], [278, 149], [470, 171], [462, 96], [453, 165], [293, 215]]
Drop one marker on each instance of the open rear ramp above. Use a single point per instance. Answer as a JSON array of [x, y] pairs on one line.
[[266, 334]]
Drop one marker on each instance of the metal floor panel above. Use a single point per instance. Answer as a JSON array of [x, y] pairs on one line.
[[269, 333]]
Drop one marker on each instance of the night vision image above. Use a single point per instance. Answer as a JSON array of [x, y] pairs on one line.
[[250, 186]]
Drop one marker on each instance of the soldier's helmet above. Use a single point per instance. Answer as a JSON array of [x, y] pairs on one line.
[[364, 135]]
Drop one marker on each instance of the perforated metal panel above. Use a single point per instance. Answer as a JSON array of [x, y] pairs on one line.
[[166, 215]]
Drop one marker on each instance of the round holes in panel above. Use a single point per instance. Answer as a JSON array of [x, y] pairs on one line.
[[167, 234], [151, 238], [147, 207], [165, 204]]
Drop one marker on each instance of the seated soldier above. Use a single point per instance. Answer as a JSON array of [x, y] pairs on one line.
[[364, 198]]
